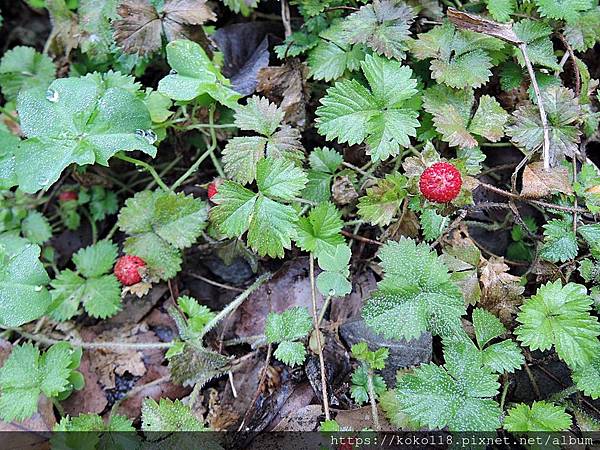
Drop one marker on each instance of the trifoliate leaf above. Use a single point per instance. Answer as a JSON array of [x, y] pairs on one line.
[[560, 242], [568, 10], [332, 55], [501, 10], [587, 377], [536, 36], [35, 228], [375, 360], [76, 121], [194, 74], [562, 111], [541, 416], [559, 316], [96, 259], [160, 224], [168, 416], [22, 284], [333, 281], [324, 163], [459, 58], [383, 201], [453, 119], [415, 295], [23, 68], [285, 328], [320, 229], [26, 375], [381, 116], [242, 153], [382, 26], [270, 224], [458, 395], [359, 390]]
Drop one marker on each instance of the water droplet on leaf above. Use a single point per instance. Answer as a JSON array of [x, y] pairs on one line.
[[38, 288], [150, 136], [172, 72], [52, 95], [331, 292]]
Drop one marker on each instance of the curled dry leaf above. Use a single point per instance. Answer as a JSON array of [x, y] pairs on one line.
[[501, 292], [343, 191], [141, 26], [538, 182], [286, 85]]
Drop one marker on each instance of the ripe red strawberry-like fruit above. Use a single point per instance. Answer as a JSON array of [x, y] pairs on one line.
[[66, 196], [440, 182], [212, 190], [127, 269]]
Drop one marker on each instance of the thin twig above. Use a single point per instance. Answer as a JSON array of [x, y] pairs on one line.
[[318, 338], [371, 389], [356, 237], [214, 283], [263, 375], [285, 18]]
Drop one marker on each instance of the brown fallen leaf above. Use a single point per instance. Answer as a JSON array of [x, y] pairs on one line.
[[286, 85], [538, 182], [501, 292], [343, 191], [141, 26]]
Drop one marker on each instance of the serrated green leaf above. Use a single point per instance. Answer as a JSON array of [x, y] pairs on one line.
[[168, 416], [35, 228], [433, 224], [559, 316], [96, 259], [541, 416], [76, 121], [487, 326], [320, 229], [359, 390], [505, 356], [567, 10], [383, 200], [101, 296], [67, 291], [195, 75], [560, 242], [290, 353], [8, 145], [23, 68], [333, 281], [536, 36], [501, 10], [587, 377], [381, 117], [292, 324], [415, 295], [583, 32]]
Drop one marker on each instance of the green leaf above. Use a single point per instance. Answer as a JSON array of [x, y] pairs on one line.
[[587, 377], [583, 33], [67, 292], [562, 110], [292, 324], [270, 224], [22, 284], [504, 356], [333, 280], [94, 21], [536, 36], [458, 395], [415, 295], [501, 10], [320, 229], [381, 117], [96, 259], [35, 228], [76, 121], [567, 10], [26, 375], [452, 117], [559, 316], [242, 153], [168, 416], [160, 224], [560, 242], [23, 68], [383, 200], [487, 327], [195, 75], [101, 296], [93, 422], [382, 26], [459, 58], [290, 353], [433, 224], [591, 234], [360, 385], [541, 416], [324, 163], [8, 145]]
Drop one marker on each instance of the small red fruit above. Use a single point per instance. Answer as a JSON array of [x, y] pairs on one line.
[[440, 182], [66, 196], [212, 190], [127, 269]]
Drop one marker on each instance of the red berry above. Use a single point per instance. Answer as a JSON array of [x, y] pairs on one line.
[[127, 269], [212, 190], [66, 196], [440, 182]]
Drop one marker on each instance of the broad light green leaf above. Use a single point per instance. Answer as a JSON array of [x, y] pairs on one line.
[[415, 295], [334, 261], [286, 328], [324, 163], [194, 75], [22, 284], [540, 416], [76, 121], [168, 416], [23, 68], [35, 228]]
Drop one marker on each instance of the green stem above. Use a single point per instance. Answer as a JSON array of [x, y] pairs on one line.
[[112, 231], [145, 166]]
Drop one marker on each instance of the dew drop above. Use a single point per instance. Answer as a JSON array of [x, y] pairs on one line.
[[38, 288], [150, 136], [140, 133], [43, 181], [331, 292], [52, 95], [172, 72]]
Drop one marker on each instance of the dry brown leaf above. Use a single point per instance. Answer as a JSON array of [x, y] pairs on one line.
[[286, 85], [141, 26], [538, 182], [343, 191], [501, 292]]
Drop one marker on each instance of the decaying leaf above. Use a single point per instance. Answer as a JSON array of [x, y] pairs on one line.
[[142, 26], [64, 36], [286, 85], [538, 182], [501, 292], [197, 366], [343, 191]]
